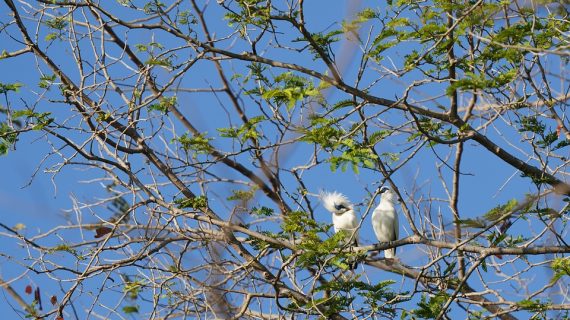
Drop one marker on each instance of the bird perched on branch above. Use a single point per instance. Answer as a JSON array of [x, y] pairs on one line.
[[385, 220], [343, 216]]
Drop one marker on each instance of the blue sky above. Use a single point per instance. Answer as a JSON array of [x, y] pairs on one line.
[[43, 204]]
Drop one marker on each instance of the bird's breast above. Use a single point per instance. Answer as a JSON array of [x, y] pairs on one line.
[[383, 215], [346, 220]]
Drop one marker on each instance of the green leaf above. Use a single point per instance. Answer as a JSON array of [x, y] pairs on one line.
[[164, 104], [40, 119], [473, 223], [355, 155], [343, 104], [262, 211], [228, 132], [133, 289], [561, 268], [63, 248], [164, 62], [429, 308], [194, 203], [153, 7], [46, 81], [548, 140], [501, 210], [531, 124], [258, 244], [141, 47], [449, 269], [561, 144], [300, 222], [288, 89], [246, 132], [51, 36], [378, 136], [8, 138], [199, 143], [533, 305], [512, 242], [323, 132], [242, 195], [130, 309], [366, 15], [250, 12], [57, 23], [494, 236], [6, 87], [323, 41], [187, 18]]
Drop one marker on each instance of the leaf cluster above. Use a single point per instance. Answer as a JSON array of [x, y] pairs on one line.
[[8, 137], [194, 203], [154, 7], [499, 59], [428, 308], [249, 12], [287, 89], [323, 40], [500, 210], [164, 104], [479, 81], [58, 24], [199, 144], [259, 244], [247, 131], [377, 296], [326, 133], [314, 250], [242, 195], [546, 139], [433, 129], [354, 154], [561, 268], [262, 211], [7, 87], [46, 81], [533, 305]]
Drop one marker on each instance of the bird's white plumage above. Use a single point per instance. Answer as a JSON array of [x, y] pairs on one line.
[[385, 221], [344, 217]]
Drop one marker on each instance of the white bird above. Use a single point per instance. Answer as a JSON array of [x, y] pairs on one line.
[[385, 220], [343, 215]]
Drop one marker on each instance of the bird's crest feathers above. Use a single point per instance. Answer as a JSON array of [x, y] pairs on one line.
[[331, 200]]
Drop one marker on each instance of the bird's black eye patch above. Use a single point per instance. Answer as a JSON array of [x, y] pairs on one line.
[[339, 206]]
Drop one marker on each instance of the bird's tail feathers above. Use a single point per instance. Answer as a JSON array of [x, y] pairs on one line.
[[390, 253], [352, 265]]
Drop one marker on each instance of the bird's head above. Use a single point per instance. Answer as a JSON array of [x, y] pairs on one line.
[[387, 193], [335, 202]]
